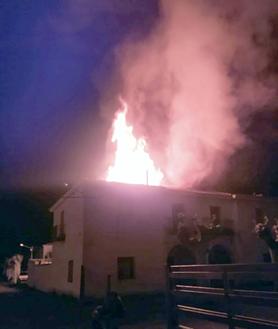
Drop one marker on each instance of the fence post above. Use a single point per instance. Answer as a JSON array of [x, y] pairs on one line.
[[227, 290], [170, 301]]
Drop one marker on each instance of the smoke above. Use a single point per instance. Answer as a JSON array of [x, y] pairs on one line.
[[193, 82]]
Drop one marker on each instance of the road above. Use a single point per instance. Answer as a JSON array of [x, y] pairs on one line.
[[4, 289], [24, 308], [29, 309]]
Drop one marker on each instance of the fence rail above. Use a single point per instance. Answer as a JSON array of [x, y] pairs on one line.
[[228, 286]]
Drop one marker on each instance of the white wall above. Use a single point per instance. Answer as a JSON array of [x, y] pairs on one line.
[[117, 220], [71, 248], [40, 276], [133, 221], [122, 223]]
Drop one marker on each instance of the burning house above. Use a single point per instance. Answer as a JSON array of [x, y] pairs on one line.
[[129, 233], [124, 232]]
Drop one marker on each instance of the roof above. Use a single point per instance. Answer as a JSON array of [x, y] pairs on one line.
[[73, 192], [79, 190]]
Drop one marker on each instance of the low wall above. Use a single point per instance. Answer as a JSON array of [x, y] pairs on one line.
[[40, 275]]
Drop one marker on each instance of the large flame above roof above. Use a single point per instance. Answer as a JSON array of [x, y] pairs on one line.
[[132, 163]]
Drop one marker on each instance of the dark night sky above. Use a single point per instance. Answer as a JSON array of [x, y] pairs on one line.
[[55, 58]]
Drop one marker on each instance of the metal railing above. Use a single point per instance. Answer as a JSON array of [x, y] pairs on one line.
[[222, 293]]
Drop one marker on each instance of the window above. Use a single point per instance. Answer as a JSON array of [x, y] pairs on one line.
[[126, 268], [215, 214], [70, 271]]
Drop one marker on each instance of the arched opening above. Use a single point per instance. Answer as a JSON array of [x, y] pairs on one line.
[[266, 257], [219, 254], [181, 255]]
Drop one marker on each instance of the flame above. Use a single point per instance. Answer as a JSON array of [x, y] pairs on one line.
[[132, 164]]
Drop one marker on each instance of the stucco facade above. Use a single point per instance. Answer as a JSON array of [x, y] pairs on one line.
[[54, 277], [109, 228]]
